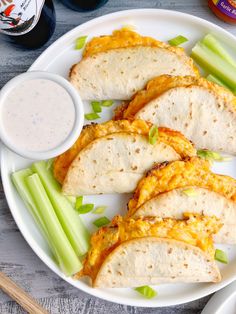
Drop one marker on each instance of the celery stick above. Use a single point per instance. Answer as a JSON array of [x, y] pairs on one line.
[[18, 178], [68, 261], [213, 44], [214, 64], [214, 79], [71, 222]]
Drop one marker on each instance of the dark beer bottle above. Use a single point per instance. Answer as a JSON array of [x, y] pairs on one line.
[[28, 23], [84, 5]]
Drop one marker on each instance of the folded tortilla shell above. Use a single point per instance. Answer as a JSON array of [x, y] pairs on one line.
[[114, 164], [175, 203], [168, 176], [93, 131], [203, 111], [151, 260], [119, 73]]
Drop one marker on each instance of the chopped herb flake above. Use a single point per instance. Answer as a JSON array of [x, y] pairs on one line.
[[177, 40], [221, 256], [91, 116], [80, 42], [96, 106], [153, 135], [146, 291], [101, 221], [84, 209], [78, 202], [107, 103], [99, 210]]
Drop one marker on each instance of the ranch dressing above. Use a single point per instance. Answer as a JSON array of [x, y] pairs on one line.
[[38, 115]]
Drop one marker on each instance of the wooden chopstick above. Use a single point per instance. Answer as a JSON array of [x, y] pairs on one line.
[[20, 296]]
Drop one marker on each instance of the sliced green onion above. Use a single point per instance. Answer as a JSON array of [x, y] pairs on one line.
[[221, 256], [66, 256], [209, 155], [107, 103], [78, 202], [96, 106], [214, 79], [91, 116], [214, 64], [153, 135], [84, 209], [190, 192], [176, 41], [215, 45], [70, 221], [99, 210], [101, 222], [146, 291], [80, 42]]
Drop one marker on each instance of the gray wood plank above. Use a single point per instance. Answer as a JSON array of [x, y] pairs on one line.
[[16, 258]]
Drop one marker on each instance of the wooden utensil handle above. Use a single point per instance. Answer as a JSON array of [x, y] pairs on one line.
[[20, 296]]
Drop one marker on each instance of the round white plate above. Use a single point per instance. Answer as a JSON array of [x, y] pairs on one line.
[[58, 58], [222, 302]]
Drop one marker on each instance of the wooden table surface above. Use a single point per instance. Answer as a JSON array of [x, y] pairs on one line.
[[16, 258]]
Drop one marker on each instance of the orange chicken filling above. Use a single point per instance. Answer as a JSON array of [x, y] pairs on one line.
[[122, 38]]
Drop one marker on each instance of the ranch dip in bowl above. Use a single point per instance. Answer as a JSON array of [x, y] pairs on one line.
[[41, 115]]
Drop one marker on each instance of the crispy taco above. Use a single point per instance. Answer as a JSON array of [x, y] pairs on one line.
[[203, 111], [112, 157], [172, 188], [135, 252], [118, 65]]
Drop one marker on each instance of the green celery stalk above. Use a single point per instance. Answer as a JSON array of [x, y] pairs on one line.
[[67, 259], [71, 223], [213, 44], [214, 79], [214, 64], [18, 178]]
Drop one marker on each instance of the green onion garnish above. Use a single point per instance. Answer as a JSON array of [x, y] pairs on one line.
[[80, 42], [96, 106], [84, 209], [146, 291], [107, 103], [101, 222], [221, 256], [78, 202], [153, 135], [176, 41], [91, 116], [99, 210], [190, 192], [209, 155]]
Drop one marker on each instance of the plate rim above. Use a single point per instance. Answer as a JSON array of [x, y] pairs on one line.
[[6, 181]]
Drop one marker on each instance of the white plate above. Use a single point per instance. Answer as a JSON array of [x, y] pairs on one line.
[[223, 302], [58, 58]]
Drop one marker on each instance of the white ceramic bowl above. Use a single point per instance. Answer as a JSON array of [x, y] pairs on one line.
[[79, 115]]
